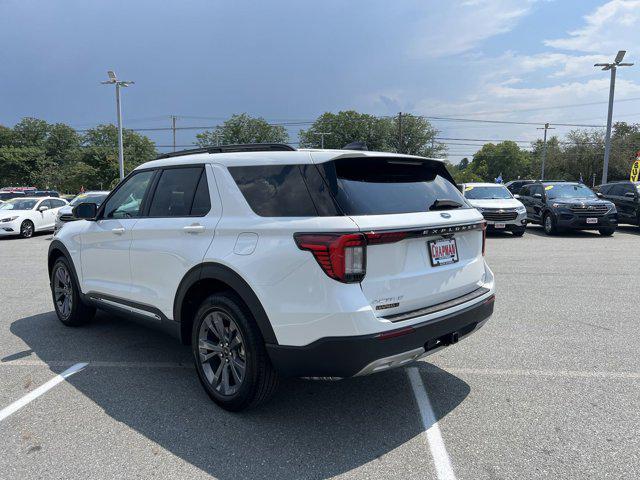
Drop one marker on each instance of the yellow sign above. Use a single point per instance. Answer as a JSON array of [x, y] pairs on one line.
[[468, 188], [635, 171], [548, 187]]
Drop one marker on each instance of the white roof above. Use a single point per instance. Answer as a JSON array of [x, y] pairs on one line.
[[39, 198], [302, 156]]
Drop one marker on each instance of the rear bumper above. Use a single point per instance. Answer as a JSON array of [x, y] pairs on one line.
[[349, 356]]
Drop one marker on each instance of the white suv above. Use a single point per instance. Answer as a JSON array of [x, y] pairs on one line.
[[498, 206], [274, 261]]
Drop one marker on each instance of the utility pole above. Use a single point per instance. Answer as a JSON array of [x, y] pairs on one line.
[[113, 80], [544, 147], [400, 137], [322, 134], [612, 86], [173, 128]]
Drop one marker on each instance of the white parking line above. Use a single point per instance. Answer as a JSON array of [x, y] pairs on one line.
[[444, 470], [29, 397]]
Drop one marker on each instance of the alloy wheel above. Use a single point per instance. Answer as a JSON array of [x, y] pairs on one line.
[[548, 225], [26, 230], [221, 352], [63, 291]]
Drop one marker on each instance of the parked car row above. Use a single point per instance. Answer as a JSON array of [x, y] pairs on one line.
[[557, 205]]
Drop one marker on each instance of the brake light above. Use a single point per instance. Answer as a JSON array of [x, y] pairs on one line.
[[342, 257], [484, 237], [374, 238]]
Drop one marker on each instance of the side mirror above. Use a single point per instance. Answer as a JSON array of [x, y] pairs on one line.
[[537, 195], [515, 195], [630, 194], [85, 211], [599, 195], [42, 208]]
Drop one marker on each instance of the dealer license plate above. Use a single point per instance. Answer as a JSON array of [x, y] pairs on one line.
[[592, 220], [443, 252], [499, 225]]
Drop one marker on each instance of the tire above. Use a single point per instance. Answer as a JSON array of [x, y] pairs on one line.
[[607, 232], [248, 379], [549, 224], [26, 229], [69, 307], [519, 232]]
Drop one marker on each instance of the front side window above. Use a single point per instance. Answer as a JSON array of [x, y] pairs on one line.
[[175, 192], [126, 202]]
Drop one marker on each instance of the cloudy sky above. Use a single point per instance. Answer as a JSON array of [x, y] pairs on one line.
[[203, 60]]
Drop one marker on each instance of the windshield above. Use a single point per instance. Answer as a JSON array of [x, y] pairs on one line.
[[96, 198], [486, 193], [571, 190], [18, 204]]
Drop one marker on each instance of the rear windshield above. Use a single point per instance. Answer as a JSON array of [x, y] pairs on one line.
[[353, 186], [379, 186]]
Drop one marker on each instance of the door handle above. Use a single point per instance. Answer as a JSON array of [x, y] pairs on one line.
[[118, 231], [193, 228]]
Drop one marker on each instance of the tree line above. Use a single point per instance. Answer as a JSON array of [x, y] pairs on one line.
[[577, 156], [56, 156]]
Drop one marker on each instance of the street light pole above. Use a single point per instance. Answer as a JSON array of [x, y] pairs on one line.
[[612, 86], [113, 80]]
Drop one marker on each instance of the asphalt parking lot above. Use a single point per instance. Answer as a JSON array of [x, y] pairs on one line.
[[549, 388]]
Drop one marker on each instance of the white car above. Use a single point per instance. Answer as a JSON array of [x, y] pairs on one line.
[[25, 215], [272, 261], [65, 214], [498, 206]]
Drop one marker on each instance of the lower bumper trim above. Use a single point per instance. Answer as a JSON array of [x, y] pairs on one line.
[[358, 355]]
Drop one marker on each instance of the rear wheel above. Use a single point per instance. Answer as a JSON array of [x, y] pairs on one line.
[[229, 353], [549, 224], [607, 232], [70, 308], [26, 229]]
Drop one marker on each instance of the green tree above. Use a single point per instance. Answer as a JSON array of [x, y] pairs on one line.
[[62, 143], [30, 132], [346, 127], [625, 143], [505, 158], [243, 129], [100, 153], [20, 166], [418, 137], [6, 136], [377, 133]]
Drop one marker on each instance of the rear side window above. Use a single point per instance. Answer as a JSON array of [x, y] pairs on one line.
[[175, 193], [379, 186], [56, 203], [275, 190]]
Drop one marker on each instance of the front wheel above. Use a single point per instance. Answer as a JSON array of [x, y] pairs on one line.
[[70, 308], [229, 353], [607, 232], [518, 232], [27, 229], [549, 225]]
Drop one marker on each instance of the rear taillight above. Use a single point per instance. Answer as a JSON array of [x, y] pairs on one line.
[[343, 257], [484, 237]]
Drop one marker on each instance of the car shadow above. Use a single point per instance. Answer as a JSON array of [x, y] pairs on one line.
[[539, 231], [310, 429]]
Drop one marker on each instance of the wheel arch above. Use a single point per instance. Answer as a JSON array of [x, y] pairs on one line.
[[57, 250], [207, 278]]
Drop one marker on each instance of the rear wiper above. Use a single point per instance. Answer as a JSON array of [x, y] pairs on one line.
[[444, 205]]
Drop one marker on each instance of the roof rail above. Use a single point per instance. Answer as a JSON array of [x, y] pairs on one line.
[[245, 147]]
